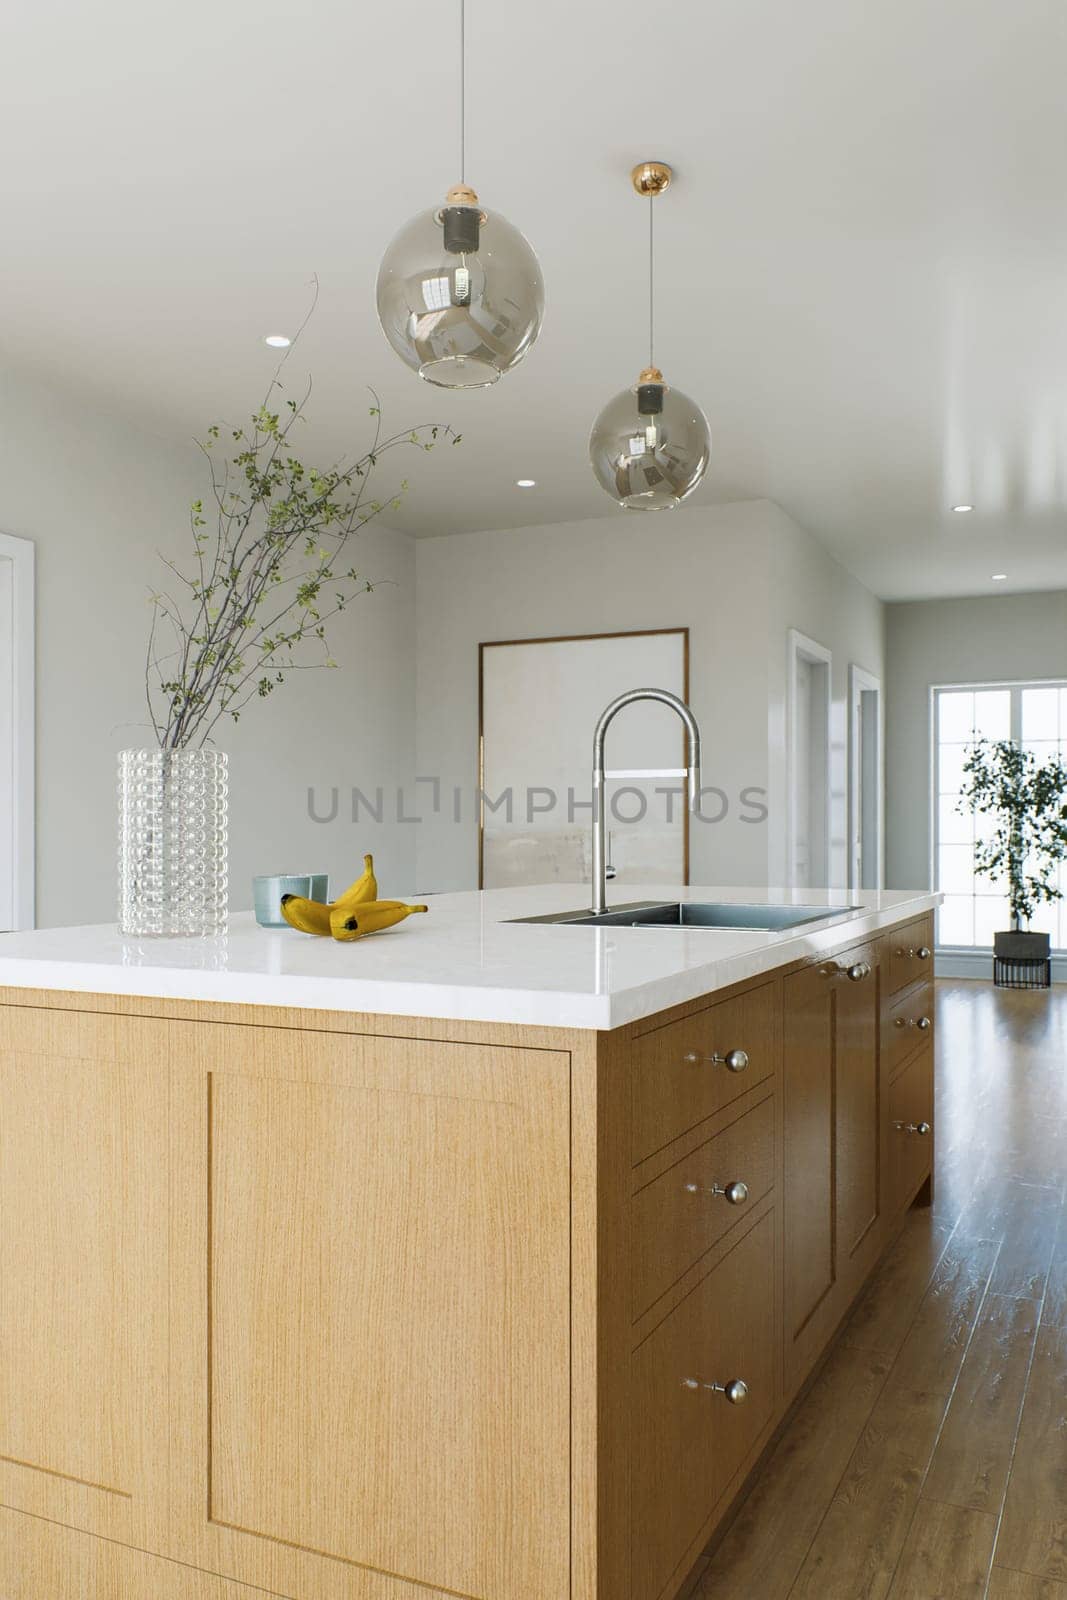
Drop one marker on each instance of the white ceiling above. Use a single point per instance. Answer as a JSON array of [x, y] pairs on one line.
[[862, 265]]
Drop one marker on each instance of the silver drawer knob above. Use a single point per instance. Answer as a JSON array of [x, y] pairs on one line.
[[923, 952], [859, 970], [735, 1194], [922, 1128], [733, 1060], [923, 1023], [736, 1390]]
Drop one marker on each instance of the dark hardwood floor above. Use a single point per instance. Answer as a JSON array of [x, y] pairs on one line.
[[929, 1459]]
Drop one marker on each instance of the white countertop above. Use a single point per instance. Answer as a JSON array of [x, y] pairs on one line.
[[466, 960]]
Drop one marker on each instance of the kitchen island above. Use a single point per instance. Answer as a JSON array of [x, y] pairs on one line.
[[481, 1258]]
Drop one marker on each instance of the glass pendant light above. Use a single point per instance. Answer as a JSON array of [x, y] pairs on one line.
[[650, 446], [460, 293]]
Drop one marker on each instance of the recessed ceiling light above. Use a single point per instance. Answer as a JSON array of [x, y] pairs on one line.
[[999, 577], [963, 508], [526, 483], [278, 341]]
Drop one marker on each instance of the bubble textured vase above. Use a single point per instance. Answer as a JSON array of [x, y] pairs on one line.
[[173, 843]]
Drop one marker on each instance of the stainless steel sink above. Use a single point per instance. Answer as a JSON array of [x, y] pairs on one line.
[[696, 914]]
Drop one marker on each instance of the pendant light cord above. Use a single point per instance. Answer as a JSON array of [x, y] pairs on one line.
[[651, 286], [462, 91]]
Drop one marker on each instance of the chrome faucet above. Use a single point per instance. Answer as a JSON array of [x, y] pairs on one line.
[[665, 697]]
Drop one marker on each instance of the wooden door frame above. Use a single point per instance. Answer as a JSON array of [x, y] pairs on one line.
[[21, 554]]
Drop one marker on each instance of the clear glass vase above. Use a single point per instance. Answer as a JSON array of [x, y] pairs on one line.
[[173, 843]]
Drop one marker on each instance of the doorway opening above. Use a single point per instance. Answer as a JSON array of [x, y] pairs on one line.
[[865, 779], [808, 794], [16, 733]]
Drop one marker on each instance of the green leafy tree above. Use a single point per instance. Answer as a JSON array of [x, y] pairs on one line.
[[271, 567], [1027, 802]]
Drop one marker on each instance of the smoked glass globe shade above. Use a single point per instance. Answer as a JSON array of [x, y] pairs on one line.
[[460, 294], [650, 447]]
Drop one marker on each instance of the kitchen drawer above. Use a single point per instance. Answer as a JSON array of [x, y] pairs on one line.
[[910, 951], [688, 1438], [683, 1072], [911, 1108], [911, 1024], [678, 1217]]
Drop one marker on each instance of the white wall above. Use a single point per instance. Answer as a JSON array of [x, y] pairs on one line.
[[811, 592], [998, 638], [99, 498], [737, 575]]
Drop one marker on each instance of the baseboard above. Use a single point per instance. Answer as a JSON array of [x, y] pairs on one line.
[[979, 964]]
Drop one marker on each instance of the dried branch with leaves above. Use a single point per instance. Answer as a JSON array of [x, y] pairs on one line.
[[272, 566]]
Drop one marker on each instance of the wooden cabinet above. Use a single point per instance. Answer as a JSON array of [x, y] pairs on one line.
[[693, 1425], [340, 1308], [685, 1071], [680, 1215], [84, 1272], [833, 1193], [371, 1366], [808, 1190]]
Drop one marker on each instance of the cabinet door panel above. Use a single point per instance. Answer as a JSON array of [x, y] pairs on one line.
[[859, 1127], [689, 1440], [374, 1358], [808, 1096], [83, 1271]]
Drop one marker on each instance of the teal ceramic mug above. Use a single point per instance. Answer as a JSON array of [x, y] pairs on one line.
[[267, 894]]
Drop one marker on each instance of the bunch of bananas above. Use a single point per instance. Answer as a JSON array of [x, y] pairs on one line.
[[352, 915]]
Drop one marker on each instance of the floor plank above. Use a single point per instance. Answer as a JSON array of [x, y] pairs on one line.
[[856, 1550], [1007, 1585], [1033, 1536], [947, 1555], [887, 1308], [931, 1355], [766, 1544], [973, 1456]]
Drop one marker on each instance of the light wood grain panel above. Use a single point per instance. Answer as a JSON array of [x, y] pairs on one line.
[[688, 1442], [380, 1371], [677, 1218], [973, 1457], [83, 1270], [673, 1093], [1033, 1534], [857, 1547], [765, 1546], [947, 1555]]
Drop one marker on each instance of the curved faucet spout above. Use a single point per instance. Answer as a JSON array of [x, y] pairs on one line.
[[666, 698]]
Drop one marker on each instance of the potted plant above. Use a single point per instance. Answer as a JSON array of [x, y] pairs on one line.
[[270, 566], [1026, 802]]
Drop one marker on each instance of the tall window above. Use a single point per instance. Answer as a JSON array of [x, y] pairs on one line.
[[1033, 714]]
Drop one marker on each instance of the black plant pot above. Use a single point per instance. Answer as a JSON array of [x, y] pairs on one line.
[[1022, 960]]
